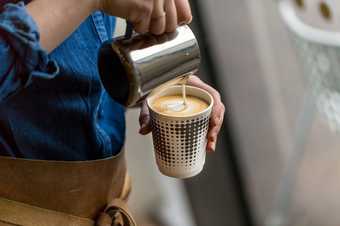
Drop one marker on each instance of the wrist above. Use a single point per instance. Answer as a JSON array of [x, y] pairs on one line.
[[96, 5], [92, 5]]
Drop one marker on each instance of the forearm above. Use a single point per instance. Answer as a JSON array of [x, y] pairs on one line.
[[21, 57], [58, 19]]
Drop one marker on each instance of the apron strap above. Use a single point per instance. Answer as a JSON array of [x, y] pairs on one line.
[[54, 193], [79, 188], [18, 213], [116, 214]]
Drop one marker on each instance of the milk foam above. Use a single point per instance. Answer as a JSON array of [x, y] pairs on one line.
[[174, 105]]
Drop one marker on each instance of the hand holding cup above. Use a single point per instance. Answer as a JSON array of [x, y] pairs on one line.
[[216, 119]]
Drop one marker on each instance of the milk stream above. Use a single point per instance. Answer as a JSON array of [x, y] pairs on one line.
[[179, 106], [184, 95]]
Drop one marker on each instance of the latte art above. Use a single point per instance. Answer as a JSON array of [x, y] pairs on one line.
[[175, 106]]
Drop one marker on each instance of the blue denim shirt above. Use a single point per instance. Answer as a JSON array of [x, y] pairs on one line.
[[53, 106]]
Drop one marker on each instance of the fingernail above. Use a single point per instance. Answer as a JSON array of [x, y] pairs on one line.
[[142, 132], [213, 146], [182, 23], [142, 129], [209, 150], [143, 125]]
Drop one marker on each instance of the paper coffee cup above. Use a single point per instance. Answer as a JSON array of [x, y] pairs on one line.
[[180, 141]]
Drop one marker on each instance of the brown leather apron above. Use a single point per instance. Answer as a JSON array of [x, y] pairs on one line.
[[51, 193]]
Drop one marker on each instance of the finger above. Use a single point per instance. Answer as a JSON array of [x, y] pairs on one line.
[[144, 120], [171, 16], [143, 25], [211, 146], [162, 38], [221, 120], [141, 20], [157, 24], [216, 120], [148, 41], [184, 15], [215, 126], [212, 139], [135, 45], [145, 130]]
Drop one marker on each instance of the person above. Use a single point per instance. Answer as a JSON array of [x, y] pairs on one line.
[[54, 110]]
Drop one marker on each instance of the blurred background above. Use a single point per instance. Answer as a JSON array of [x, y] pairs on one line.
[[277, 160]]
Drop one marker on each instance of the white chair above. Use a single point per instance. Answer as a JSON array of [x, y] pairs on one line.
[[316, 35]]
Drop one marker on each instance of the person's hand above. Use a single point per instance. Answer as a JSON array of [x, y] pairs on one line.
[[216, 119], [155, 16]]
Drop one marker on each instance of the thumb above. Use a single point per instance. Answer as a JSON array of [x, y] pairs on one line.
[[144, 120]]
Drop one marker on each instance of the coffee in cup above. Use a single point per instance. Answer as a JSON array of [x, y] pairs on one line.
[[179, 129], [174, 105]]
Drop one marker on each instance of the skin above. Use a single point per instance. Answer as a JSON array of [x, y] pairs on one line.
[[58, 19]]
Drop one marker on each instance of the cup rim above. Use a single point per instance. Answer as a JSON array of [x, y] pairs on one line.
[[148, 99]]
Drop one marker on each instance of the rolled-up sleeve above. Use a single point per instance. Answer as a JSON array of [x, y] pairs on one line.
[[21, 57]]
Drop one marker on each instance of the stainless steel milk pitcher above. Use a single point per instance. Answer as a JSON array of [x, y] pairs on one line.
[[130, 68]]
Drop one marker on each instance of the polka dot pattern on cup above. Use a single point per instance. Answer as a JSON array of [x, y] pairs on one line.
[[180, 140], [180, 143]]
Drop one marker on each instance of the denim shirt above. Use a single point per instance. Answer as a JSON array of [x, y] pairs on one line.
[[53, 106]]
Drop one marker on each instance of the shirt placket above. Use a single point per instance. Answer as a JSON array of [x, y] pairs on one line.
[[98, 20]]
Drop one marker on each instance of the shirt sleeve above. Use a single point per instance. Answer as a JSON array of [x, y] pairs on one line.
[[21, 57]]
